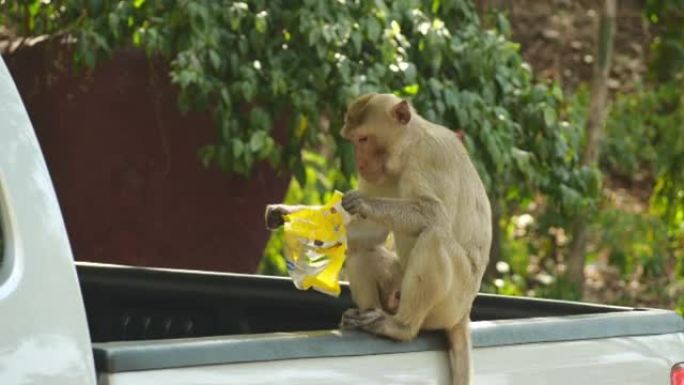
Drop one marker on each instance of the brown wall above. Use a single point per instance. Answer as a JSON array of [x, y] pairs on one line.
[[123, 161]]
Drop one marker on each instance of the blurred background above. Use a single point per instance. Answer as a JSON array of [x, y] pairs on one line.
[[168, 125]]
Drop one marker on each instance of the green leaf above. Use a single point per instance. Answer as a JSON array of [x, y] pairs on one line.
[[549, 116], [356, 39], [248, 90], [435, 6], [451, 98], [502, 25], [237, 147], [435, 87], [347, 159], [259, 119], [207, 154], [34, 7], [257, 141], [260, 22], [248, 161], [215, 59], [267, 147], [274, 156], [299, 171], [100, 41], [522, 160], [557, 92], [225, 97], [411, 89], [223, 157], [96, 7], [137, 38], [89, 58], [113, 20], [373, 29]]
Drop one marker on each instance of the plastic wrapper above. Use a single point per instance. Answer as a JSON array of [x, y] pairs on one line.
[[316, 245]]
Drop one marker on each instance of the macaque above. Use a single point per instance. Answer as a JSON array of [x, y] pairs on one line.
[[417, 181], [373, 270]]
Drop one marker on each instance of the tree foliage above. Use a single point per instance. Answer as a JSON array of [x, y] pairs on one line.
[[644, 147], [645, 131], [254, 63]]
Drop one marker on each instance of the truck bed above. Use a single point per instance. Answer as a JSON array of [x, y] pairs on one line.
[[149, 319], [127, 303]]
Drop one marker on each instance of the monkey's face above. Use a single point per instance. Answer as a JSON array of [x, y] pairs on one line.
[[372, 123], [370, 157]]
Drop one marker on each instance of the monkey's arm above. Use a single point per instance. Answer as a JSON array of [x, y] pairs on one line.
[[400, 215]]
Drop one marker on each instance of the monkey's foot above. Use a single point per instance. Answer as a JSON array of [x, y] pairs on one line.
[[361, 319], [347, 316]]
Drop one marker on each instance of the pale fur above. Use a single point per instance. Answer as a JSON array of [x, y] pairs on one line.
[[435, 204]]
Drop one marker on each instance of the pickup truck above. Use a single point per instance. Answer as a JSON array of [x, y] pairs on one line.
[[67, 323]]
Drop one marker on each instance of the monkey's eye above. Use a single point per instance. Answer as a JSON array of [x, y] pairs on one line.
[[363, 139]]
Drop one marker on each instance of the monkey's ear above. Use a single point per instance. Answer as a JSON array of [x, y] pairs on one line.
[[344, 132], [401, 112]]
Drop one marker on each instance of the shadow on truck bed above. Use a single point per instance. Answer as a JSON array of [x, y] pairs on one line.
[[127, 303]]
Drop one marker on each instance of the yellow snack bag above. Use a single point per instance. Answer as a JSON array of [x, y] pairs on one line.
[[316, 245]]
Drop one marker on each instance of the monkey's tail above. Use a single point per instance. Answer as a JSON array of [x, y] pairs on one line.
[[461, 361]]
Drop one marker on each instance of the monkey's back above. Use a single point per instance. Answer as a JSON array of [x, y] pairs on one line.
[[457, 185]]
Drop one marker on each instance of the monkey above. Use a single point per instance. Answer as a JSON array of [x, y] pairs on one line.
[[417, 181], [373, 270]]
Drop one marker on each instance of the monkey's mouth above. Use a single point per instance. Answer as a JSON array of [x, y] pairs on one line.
[[375, 176]]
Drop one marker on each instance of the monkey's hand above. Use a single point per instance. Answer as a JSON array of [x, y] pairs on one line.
[[356, 204], [274, 216]]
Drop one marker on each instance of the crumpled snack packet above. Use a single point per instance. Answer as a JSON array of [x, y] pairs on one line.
[[316, 243]]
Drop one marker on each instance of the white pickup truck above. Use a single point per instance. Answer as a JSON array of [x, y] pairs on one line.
[[66, 323]]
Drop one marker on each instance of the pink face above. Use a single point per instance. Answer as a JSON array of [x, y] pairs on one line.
[[370, 152], [370, 157]]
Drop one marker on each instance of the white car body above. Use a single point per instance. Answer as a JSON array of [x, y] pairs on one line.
[[43, 328], [44, 335], [619, 361]]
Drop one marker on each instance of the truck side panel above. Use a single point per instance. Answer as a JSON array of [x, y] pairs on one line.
[[611, 361], [419, 368], [608, 361]]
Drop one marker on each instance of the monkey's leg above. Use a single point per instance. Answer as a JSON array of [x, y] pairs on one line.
[[374, 281], [427, 279], [362, 273]]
